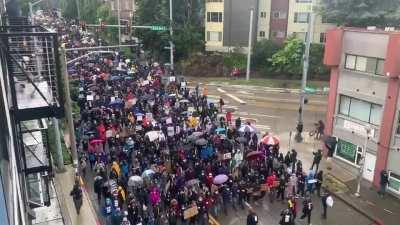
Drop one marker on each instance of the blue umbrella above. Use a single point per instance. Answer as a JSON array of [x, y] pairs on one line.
[[220, 130], [115, 78], [116, 103]]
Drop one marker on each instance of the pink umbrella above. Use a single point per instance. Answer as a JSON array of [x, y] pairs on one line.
[[220, 179], [96, 141], [270, 140]]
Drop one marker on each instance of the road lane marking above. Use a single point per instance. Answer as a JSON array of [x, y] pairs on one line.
[[220, 90], [236, 99], [257, 115]]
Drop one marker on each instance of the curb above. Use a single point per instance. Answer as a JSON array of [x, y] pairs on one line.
[[375, 220]]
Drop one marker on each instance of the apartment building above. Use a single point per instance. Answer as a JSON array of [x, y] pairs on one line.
[[127, 8], [299, 17], [363, 105], [227, 22]]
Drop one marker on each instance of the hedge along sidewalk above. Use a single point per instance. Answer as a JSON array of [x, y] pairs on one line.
[[261, 82]]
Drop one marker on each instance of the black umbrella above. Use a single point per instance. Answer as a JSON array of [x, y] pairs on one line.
[[241, 139]]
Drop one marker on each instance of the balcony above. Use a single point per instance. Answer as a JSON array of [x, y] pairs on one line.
[[33, 71]]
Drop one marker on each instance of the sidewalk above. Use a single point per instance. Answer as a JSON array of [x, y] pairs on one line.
[[64, 183], [384, 211]]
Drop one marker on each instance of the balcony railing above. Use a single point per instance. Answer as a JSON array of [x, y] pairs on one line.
[[33, 70]]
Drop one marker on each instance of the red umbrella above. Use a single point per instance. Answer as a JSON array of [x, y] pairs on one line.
[[96, 141], [270, 140], [254, 155]]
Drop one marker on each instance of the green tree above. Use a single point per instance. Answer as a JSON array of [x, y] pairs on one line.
[[69, 9], [362, 13], [288, 59], [317, 69], [235, 59], [262, 54]]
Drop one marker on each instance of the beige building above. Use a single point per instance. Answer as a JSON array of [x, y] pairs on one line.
[[227, 22], [127, 8], [299, 16]]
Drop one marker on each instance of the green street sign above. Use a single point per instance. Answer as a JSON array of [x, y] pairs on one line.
[[159, 28]]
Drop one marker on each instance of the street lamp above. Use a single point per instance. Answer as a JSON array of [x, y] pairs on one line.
[[362, 162]]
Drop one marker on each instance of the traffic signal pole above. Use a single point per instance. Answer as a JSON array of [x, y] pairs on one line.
[[309, 36]]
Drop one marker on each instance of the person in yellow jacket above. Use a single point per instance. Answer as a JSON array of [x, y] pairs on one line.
[[116, 168], [121, 195]]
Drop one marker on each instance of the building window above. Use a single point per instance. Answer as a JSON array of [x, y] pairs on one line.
[[322, 38], [364, 64], [300, 35], [214, 36], [301, 17], [278, 34], [360, 110], [215, 17], [346, 150], [263, 14], [398, 124], [279, 15], [262, 33], [394, 182]]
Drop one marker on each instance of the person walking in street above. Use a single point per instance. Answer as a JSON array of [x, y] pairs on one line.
[[316, 160], [76, 194], [287, 218], [384, 181], [252, 218], [326, 200], [307, 209], [97, 186], [320, 178]]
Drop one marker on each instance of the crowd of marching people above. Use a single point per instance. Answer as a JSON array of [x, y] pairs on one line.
[[164, 153]]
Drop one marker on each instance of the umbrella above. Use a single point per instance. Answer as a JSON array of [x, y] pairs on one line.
[[197, 133], [270, 140], [220, 179], [184, 101], [241, 139], [254, 155], [96, 141], [201, 141], [148, 173], [116, 103], [147, 97], [192, 182], [135, 181], [153, 135], [128, 78], [172, 95], [247, 128], [220, 130], [115, 78], [91, 133]]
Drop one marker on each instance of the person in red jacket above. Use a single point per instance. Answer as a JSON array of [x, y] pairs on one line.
[[229, 118], [271, 179]]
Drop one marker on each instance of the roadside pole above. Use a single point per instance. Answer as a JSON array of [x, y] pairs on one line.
[[171, 32], [68, 110], [362, 162], [309, 36], [119, 22], [60, 159], [78, 10], [249, 46]]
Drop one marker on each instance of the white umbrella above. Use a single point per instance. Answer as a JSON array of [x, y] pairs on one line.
[[135, 181], [148, 173], [247, 128], [153, 135]]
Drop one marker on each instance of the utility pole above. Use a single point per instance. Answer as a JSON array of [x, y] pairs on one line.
[[171, 45], [249, 47], [309, 36], [78, 10], [31, 12], [68, 109], [119, 22]]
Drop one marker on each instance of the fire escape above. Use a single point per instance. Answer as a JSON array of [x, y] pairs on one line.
[[30, 54]]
